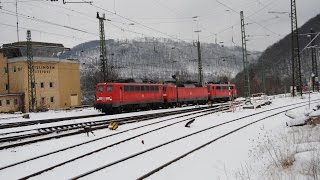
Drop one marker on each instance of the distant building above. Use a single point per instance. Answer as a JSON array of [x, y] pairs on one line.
[[57, 79]]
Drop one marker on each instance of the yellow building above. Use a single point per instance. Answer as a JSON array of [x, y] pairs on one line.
[[57, 80]]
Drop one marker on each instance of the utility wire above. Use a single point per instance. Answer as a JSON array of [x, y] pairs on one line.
[[177, 13], [44, 21], [136, 22], [87, 15], [247, 17], [37, 30]]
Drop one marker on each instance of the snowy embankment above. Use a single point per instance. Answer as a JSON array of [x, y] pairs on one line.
[[266, 150], [293, 153]]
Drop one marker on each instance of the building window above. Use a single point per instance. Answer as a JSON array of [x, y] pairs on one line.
[[15, 101], [51, 84], [42, 85], [14, 69], [8, 102], [5, 70], [0, 103], [52, 99], [7, 87]]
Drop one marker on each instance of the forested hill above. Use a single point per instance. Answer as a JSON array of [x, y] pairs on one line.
[[156, 59], [159, 58], [274, 65]]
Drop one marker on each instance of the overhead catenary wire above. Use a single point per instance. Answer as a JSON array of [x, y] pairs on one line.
[[247, 17], [145, 30], [136, 22], [119, 27], [37, 30], [44, 21], [238, 22], [176, 12]]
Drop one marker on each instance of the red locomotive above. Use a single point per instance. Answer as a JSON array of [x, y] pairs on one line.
[[222, 92], [185, 94], [115, 97], [112, 96]]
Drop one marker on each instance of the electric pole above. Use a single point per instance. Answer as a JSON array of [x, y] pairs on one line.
[[31, 76], [296, 63], [199, 63], [314, 63], [103, 52], [246, 79], [17, 20]]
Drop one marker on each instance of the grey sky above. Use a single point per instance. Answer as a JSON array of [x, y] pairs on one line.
[[153, 18]]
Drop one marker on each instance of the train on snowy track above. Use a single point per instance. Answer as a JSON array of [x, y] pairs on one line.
[[112, 97]]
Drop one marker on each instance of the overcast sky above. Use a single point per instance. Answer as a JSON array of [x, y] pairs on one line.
[[218, 20]]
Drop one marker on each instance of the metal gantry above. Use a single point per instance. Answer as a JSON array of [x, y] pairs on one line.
[[31, 76], [296, 62], [246, 79], [103, 51]]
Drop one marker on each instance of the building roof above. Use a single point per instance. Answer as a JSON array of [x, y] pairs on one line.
[[33, 43], [39, 49]]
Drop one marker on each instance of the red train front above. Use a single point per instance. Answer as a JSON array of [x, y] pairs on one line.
[[113, 97]]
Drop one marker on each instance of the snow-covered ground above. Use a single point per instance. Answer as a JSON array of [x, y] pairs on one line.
[[265, 150]]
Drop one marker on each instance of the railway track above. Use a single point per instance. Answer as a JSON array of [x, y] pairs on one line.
[[159, 168], [206, 111], [78, 128], [45, 121]]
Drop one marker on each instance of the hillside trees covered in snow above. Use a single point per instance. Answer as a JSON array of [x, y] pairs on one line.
[[156, 59]]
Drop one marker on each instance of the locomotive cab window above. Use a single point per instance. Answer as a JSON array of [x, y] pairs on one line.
[[109, 88], [100, 88], [137, 88]]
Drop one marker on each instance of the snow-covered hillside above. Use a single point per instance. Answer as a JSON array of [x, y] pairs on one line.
[[158, 59]]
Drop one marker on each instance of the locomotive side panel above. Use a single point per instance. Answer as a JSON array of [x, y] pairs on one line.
[[142, 94], [192, 94]]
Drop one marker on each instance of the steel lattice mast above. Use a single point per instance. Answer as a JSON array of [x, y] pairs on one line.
[[31, 76], [103, 51], [315, 84], [200, 78], [296, 63], [246, 79]]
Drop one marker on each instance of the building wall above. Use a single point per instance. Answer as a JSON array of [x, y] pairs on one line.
[[10, 103], [56, 81], [69, 78], [3, 75], [47, 84]]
